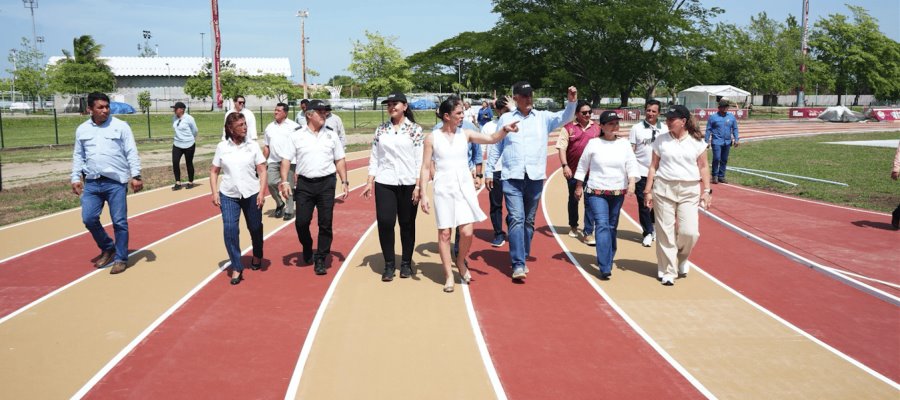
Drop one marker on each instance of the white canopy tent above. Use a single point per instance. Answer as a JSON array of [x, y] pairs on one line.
[[706, 96]]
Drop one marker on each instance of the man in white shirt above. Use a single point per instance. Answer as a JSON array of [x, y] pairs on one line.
[[239, 104], [318, 154], [642, 136], [279, 130], [493, 183], [301, 117], [334, 122]]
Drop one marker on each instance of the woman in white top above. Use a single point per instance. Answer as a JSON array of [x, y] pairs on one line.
[[455, 200], [394, 166], [243, 188], [611, 167], [678, 172]]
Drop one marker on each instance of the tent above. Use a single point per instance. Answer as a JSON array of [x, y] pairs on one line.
[[706, 96], [841, 114], [422, 104], [116, 107]]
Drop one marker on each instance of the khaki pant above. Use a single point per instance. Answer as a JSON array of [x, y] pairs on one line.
[[675, 205], [274, 178]]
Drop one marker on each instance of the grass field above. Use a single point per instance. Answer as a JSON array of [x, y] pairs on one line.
[[867, 170]]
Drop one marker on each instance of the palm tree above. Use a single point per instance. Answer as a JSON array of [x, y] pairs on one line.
[[86, 51]]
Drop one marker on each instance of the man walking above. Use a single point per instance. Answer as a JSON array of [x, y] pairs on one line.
[[301, 116], [239, 107], [333, 122], [319, 154], [493, 183], [278, 130], [722, 127], [572, 140], [106, 158], [642, 136], [524, 158]]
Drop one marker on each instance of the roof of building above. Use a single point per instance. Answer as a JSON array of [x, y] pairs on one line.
[[189, 66]]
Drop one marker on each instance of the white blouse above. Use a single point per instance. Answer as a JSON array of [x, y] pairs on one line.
[[608, 164], [678, 157], [396, 157], [238, 163]]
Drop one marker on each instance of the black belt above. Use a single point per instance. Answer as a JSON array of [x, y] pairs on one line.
[[101, 179], [314, 180]]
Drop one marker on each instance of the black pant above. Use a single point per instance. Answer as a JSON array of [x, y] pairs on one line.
[[496, 197], [315, 193], [188, 161], [645, 215], [393, 202]]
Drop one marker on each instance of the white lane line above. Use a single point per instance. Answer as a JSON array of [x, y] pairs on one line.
[[885, 283], [482, 345], [162, 318], [28, 221], [640, 331], [809, 201], [85, 232], [294, 385], [828, 271]]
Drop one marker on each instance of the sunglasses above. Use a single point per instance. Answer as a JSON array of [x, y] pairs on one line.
[[240, 102], [585, 113]]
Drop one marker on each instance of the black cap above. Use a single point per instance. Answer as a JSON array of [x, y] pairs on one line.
[[318, 105], [523, 88], [724, 103], [396, 96], [608, 116], [678, 111], [179, 105]]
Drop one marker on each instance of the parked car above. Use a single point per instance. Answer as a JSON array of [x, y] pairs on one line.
[[20, 106], [350, 105]]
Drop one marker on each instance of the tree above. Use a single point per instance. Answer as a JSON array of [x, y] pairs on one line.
[[380, 66], [233, 82], [82, 71], [463, 61], [29, 73], [273, 86], [144, 101]]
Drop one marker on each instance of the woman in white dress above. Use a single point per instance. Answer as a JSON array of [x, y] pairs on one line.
[[455, 200]]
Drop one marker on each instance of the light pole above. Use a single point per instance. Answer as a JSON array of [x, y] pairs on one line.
[[146, 49], [303, 14], [32, 4], [15, 54], [202, 47], [168, 80]]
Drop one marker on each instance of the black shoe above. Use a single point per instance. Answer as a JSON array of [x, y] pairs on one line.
[[240, 277], [722, 180], [604, 276], [279, 211], [714, 180], [307, 258], [288, 216], [388, 274], [177, 186], [895, 218], [320, 267], [256, 265], [405, 269]]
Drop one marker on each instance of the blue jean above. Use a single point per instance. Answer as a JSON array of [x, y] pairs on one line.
[[606, 223], [521, 196], [231, 214], [573, 210], [96, 192], [720, 159]]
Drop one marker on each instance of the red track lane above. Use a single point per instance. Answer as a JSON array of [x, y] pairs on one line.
[[27, 278], [554, 337], [853, 322], [242, 341], [851, 240]]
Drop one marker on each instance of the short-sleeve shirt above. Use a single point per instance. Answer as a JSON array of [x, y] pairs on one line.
[[678, 157], [313, 153], [275, 132], [238, 163], [642, 137]]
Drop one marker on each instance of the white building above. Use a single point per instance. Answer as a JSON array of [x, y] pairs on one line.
[[165, 77]]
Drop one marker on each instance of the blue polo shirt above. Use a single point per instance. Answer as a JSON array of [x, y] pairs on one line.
[[105, 150], [721, 128], [525, 151]]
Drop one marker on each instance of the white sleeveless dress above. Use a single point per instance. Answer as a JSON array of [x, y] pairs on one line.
[[455, 200]]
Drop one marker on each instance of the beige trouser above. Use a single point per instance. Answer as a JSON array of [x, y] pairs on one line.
[[675, 205], [274, 178]]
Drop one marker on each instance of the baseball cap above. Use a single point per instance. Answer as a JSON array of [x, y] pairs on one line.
[[523, 88], [318, 105], [608, 116], [179, 105], [724, 103], [396, 96], [678, 111]]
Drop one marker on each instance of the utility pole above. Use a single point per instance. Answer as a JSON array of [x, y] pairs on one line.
[[32, 4], [803, 51], [202, 47], [303, 14]]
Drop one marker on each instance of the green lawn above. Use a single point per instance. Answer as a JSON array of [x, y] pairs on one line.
[[866, 170]]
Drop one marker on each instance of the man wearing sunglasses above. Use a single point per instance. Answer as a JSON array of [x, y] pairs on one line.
[[642, 135], [239, 107], [570, 144]]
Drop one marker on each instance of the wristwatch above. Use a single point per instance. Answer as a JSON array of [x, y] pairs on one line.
[[708, 191], [479, 175], [136, 177]]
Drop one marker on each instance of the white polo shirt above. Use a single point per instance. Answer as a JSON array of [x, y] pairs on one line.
[[396, 157], [238, 163], [641, 137], [313, 153], [275, 132], [678, 157]]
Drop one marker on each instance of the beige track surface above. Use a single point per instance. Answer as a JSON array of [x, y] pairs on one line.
[[399, 340], [55, 347], [732, 348]]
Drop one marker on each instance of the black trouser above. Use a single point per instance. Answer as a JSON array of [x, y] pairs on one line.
[[645, 215], [496, 197], [315, 193], [393, 202], [188, 161]]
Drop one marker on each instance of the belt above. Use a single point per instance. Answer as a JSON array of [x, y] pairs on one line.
[[314, 180], [599, 192], [101, 179]]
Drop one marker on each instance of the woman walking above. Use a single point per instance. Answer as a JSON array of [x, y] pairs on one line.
[[455, 199], [183, 145], [394, 166], [243, 189], [612, 169], [677, 183]]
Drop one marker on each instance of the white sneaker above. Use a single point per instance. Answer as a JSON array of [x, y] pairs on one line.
[[573, 232], [589, 240], [684, 268], [648, 240]]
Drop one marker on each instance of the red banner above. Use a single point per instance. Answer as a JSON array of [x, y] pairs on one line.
[[804, 112], [885, 114], [217, 53], [703, 114]]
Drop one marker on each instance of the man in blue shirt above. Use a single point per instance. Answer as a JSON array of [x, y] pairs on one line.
[[106, 157], [722, 126], [485, 114], [524, 160]]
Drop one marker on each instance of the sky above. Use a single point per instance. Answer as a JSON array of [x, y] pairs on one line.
[[271, 28]]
